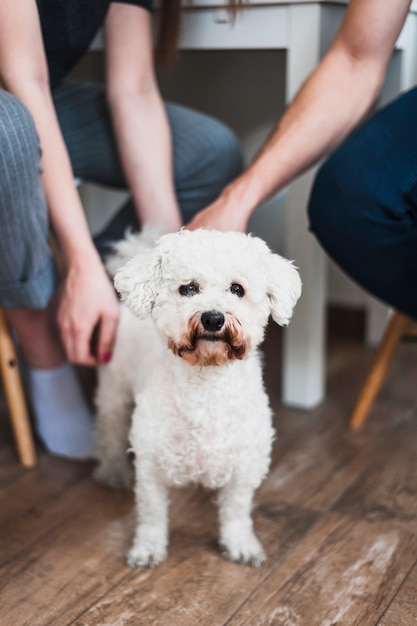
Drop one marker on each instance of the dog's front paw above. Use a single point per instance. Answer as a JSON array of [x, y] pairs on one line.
[[117, 475], [243, 548], [148, 549]]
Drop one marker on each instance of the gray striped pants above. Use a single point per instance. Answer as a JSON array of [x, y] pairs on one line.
[[206, 158]]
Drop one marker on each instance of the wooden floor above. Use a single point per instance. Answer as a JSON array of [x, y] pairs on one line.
[[337, 516]]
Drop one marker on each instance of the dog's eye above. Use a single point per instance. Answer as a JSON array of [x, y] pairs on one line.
[[237, 290], [189, 290]]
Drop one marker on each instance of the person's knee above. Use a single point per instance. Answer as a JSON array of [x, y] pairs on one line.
[[228, 157], [217, 159], [208, 161], [335, 197], [343, 215], [320, 198], [19, 143], [207, 157]]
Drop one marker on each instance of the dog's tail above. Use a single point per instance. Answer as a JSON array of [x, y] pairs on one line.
[[131, 245]]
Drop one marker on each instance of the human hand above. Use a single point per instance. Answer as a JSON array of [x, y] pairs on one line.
[[220, 215], [87, 302]]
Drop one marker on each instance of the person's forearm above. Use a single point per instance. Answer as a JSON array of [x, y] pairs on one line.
[[146, 155], [327, 108], [64, 205], [24, 73], [138, 114], [333, 100]]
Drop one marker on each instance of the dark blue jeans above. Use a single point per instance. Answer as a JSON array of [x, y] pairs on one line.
[[363, 206]]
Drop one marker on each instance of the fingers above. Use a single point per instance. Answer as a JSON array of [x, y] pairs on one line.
[[90, 344], [88, 314], [76, 340], [106, 337], [94, 340]]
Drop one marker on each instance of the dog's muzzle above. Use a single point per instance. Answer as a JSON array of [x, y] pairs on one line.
[[211, 339]]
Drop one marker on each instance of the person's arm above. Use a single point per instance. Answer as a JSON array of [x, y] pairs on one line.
[[87, 296], [139, 117], [328, 106]]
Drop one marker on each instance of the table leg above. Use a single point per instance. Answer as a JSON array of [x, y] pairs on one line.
[[303, 382]]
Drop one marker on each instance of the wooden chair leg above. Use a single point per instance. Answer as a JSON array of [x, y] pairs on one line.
[[396, 328], [13, 388]]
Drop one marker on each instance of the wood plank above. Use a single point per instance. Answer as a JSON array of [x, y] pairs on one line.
[[403, 610], [351, 565], [318, 462], [202, 589], [81, 556], [337, 517], [39, 517], [77, 562], [23, 517], [10, 468], [344, 572], [388, 489]]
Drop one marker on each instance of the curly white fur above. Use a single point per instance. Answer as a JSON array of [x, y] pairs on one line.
[[185, 383]]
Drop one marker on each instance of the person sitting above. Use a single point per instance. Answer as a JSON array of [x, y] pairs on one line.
[[363, 205], [173, 160]]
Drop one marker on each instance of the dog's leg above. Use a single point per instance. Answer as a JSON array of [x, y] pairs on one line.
[[114, 467], [149, 547], [237, 537]]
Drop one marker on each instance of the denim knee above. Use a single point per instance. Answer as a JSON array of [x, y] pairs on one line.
[[335, 209], [339, 211], [207, 157], [227, 156], [321, 200], [217, 163], [362, 221]]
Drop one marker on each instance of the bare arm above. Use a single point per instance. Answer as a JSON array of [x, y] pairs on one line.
[[139, 117], [329, 105], [87, 295]]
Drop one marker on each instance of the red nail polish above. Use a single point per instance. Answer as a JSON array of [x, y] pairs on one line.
[[106, 357]]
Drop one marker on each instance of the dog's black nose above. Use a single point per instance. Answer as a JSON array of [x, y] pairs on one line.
[[212, 321]]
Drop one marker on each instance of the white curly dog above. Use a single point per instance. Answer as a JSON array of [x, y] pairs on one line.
[[185, 386]]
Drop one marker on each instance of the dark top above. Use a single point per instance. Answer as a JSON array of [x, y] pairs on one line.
[[68, 28]]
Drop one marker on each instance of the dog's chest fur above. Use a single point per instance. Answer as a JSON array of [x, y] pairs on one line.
[[205, 423]]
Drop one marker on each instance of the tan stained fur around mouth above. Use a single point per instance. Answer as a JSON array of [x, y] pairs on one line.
[[198, 347]]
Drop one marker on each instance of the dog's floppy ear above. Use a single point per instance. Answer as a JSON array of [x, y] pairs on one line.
[[284, 287], [138, 280]]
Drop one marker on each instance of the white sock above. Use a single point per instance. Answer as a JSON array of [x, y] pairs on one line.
[[62, 418]]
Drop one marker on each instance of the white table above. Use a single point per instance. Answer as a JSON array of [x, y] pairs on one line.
[[304, 29]]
